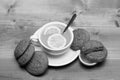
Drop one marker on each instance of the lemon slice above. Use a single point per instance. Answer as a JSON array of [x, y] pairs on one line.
[[51, 30], [56, 41]]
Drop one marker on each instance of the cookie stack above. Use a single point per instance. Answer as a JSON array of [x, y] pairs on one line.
[[35, 62], [92, 51]]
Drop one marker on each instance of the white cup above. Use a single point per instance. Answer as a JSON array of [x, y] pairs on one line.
[[48, 49]]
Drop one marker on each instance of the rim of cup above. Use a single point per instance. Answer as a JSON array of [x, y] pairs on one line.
[[56, 22], [86, 63]]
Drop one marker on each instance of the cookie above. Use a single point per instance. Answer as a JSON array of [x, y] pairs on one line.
[[80, 37], [26, 56], [21, 47], [94, 51], [24, 51], [38, 63]]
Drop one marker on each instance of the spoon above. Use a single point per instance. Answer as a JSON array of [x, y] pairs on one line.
[[70, 22]]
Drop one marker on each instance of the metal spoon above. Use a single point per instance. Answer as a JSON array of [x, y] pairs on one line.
[[70, 22]]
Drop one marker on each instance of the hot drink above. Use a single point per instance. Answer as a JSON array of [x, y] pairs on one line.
[[53, 38]]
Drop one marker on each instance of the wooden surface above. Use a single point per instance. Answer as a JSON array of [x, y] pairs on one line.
[[25, 19]]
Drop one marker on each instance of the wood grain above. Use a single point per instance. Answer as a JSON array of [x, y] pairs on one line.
[[28, 15], [15, 28]]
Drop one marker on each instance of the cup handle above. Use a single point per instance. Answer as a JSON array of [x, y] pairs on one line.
[[35, 41], [35, 38], [71, 29]]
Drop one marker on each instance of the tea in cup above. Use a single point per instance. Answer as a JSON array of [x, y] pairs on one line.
[[53, 40]]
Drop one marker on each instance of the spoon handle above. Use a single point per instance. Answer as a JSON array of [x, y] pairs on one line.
[[70, 22]]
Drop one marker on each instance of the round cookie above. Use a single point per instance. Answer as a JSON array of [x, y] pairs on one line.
[[94, 51], [26, 56], [21, 47], [38, 63], [80, 37], [24, 51]]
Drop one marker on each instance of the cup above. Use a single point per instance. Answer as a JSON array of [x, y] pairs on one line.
[[57, 51]]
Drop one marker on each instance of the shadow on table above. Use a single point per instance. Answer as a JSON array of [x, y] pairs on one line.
[[79, 64], [63, 67], [97, 66]]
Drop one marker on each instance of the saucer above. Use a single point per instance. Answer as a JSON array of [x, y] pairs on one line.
[[61, 60], [64, 59], [85, 62], [55, 60]]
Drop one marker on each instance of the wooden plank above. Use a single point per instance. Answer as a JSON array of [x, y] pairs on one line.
[[29, 15], [12, 32], [74, 71], [13, 28]]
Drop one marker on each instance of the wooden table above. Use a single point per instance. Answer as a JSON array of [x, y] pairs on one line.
[[23, 22]]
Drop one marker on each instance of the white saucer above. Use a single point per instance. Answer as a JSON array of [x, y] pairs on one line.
[[83, 61], [64, 59], [61, 60], [57, 60]]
